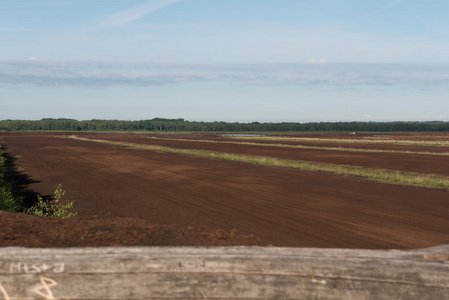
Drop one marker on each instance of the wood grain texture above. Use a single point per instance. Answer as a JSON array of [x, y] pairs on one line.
[[223, 273]]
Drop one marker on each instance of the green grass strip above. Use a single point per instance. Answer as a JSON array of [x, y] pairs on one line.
[[306, 147], [350, 141], [379, 175]]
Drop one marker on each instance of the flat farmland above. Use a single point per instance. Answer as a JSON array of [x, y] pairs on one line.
[[281, 206]]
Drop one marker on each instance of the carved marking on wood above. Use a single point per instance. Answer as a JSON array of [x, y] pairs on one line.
[[4, 293], [36, 268], [58, 268], [196, 264], [45, 289], [320, 281]]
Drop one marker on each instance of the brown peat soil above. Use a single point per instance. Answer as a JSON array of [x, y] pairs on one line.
[[138, 197]]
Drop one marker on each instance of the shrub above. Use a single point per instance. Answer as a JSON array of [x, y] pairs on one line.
[[53, 208], [7, 201]]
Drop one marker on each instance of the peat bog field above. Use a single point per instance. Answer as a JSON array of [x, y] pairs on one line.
[[323, 190]]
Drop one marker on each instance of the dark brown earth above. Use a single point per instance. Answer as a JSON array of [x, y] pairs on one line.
[[32, 231], [137, 197], [409, 162]]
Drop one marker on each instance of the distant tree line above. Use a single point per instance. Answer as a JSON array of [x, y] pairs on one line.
[[160, 124]]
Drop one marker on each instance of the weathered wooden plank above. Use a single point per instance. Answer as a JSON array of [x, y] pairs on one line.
[[223, 273]]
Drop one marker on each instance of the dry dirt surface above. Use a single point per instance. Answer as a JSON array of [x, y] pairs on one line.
[[138, 197]]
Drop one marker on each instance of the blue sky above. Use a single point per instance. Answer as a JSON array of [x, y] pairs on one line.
[[225, 60]]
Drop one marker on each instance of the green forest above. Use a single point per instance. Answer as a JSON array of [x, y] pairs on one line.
[[165, 125]]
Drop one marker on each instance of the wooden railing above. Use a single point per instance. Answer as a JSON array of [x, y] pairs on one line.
[[223, 273]]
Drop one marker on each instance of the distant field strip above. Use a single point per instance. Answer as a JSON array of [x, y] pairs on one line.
[[380, 175], [351, 141], [306, 147]]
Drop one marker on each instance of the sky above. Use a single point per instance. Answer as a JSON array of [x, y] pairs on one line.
[[225, 60]]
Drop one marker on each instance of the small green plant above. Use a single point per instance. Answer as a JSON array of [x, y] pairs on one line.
[[55, 208]]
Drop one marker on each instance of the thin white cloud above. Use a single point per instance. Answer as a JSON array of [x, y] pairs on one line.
[[129, 15], [318, 61], [36, 72]]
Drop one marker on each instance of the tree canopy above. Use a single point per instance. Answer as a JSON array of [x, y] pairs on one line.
[[161, 124]]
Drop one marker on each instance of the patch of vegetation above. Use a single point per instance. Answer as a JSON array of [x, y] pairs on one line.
[[306, 147], [8, 201], [351, 141], [53, 208], [380, 175]]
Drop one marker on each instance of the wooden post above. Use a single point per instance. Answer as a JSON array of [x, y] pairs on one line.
[[223, 273]]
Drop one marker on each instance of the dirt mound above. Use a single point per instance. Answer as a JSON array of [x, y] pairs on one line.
[[32, 231]]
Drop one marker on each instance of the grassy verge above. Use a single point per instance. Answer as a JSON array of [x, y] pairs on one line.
[[351, 141], [380, 175], [306, 147]]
